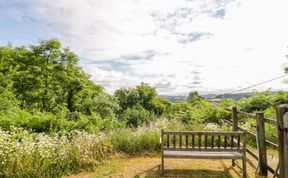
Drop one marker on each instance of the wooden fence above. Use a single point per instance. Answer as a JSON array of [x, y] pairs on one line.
[[282, 126]]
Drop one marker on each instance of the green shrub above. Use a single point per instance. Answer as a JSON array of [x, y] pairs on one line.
[[259, 102], [136, 116], [215, 115], [279, 98]]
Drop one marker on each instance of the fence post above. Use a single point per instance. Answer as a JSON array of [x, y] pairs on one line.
[[282, 121], [261, 145], [235, 124], [235, 118]]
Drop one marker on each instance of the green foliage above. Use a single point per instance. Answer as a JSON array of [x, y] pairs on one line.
[[160, 105], [146, 95], [138, 106], [227, 102], [200, 113], [259, 102], [183, 112], [45, 77], [105, 105], [136, 116], [194, 98], [215, 115], [280, 97]]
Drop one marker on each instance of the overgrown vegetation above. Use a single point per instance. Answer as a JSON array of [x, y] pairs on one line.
[[55, 121]]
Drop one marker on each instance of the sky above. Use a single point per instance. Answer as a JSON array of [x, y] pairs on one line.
[[211, 46]]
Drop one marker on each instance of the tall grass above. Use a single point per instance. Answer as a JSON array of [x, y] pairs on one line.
[[39, 155], [24, 154]]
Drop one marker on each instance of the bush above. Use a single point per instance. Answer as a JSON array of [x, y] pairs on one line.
[[259, 102], [184, 112], [136, 116], [215, 115]]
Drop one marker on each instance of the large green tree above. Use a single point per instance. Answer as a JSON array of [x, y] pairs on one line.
[[46, 77]]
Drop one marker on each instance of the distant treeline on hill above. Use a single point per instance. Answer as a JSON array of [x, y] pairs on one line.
[[235, 96], [174, 98]]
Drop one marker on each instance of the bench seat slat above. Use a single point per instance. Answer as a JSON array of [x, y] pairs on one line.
[[202, 155]]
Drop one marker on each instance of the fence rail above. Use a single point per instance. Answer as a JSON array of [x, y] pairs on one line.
[[253, 116], [259, 135]]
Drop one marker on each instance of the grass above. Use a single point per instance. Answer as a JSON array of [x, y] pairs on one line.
[[24, 154], [148, 166]]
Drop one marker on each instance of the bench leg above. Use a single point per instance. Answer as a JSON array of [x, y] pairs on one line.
[[233, 162], [162, 165], [244, 167]]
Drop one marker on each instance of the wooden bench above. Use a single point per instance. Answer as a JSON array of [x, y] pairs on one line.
[[203, 145]]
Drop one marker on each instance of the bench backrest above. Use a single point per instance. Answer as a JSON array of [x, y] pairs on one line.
[[203, 141]]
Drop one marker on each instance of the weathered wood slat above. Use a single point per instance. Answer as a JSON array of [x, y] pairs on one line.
[[232, 142], [180, 141], [238, 165], [238, 142], [174, 141], [193, 141], [271, 143], [270, 169], [270, 121], [177, 148], [228, 122], [168, 140], [225, 141], [199, 140], [202, 133], [252, 116], [206, 141], [252, 153]]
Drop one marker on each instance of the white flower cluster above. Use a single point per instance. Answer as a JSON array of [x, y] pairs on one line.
[[24, 154]]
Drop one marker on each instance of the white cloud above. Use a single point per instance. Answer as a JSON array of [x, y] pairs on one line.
[[204, 45], [111, 80]]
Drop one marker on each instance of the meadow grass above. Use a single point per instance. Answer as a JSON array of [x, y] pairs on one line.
[[24, 154]]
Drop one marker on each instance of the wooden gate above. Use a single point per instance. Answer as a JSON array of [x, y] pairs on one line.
[[282, 121]]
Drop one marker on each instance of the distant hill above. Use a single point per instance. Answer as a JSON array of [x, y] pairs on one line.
[[235, 96], [175, 98]]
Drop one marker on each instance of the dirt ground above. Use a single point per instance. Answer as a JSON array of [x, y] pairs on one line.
[[148, 166]]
